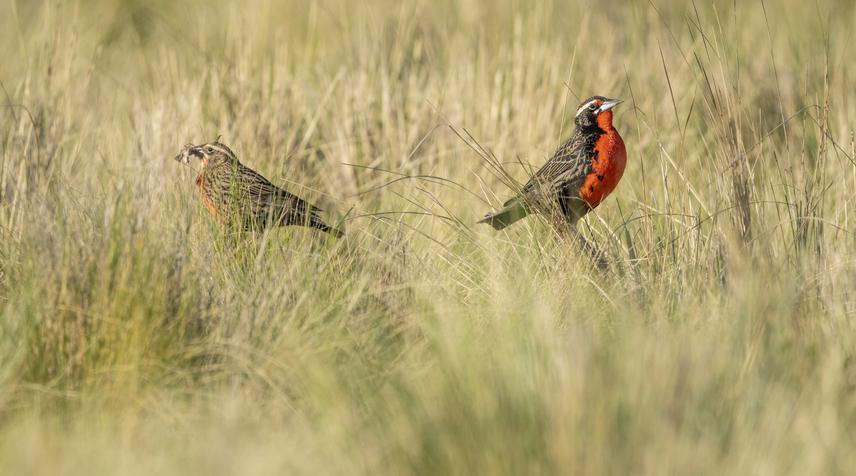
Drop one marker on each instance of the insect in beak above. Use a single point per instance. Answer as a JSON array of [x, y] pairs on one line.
[[187, 151], [182, 156]]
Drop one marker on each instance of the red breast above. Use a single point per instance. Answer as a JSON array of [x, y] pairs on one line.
[[608, 163], [206, 199]]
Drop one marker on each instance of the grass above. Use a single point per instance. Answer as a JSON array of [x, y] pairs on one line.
[[137, 337]]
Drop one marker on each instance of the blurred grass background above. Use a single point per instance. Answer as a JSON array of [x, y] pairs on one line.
[[135, 338]]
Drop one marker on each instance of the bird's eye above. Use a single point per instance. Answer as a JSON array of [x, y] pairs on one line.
[[592, 107], [210, 150]]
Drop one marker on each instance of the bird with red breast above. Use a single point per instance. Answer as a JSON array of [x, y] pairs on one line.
[[579, 176]]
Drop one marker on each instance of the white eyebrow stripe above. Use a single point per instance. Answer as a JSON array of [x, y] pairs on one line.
[[582, 108]]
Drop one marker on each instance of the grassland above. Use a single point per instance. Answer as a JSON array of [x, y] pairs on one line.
[[136, 337]]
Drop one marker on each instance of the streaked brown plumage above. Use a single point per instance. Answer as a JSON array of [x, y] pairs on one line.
[[236, 194]]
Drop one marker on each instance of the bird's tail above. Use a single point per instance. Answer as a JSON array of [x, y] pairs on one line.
[[320, 225], [512, 211]]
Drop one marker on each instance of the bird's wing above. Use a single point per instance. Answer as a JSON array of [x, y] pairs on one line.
[[273, 198], [570, 163]]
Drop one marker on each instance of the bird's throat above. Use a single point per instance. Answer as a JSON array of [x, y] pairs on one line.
[[604, 121]]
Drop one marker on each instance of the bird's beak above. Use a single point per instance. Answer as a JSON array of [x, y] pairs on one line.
[[609, 104]]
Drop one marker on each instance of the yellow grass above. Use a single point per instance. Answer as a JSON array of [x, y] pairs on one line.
[[138, 337]]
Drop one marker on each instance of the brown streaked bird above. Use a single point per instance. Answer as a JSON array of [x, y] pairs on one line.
[[235, 193], [581, 173]]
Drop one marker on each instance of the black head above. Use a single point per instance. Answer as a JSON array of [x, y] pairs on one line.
[[596, 111]]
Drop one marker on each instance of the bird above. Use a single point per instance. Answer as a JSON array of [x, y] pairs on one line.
[[579, 175], [235, 193]]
